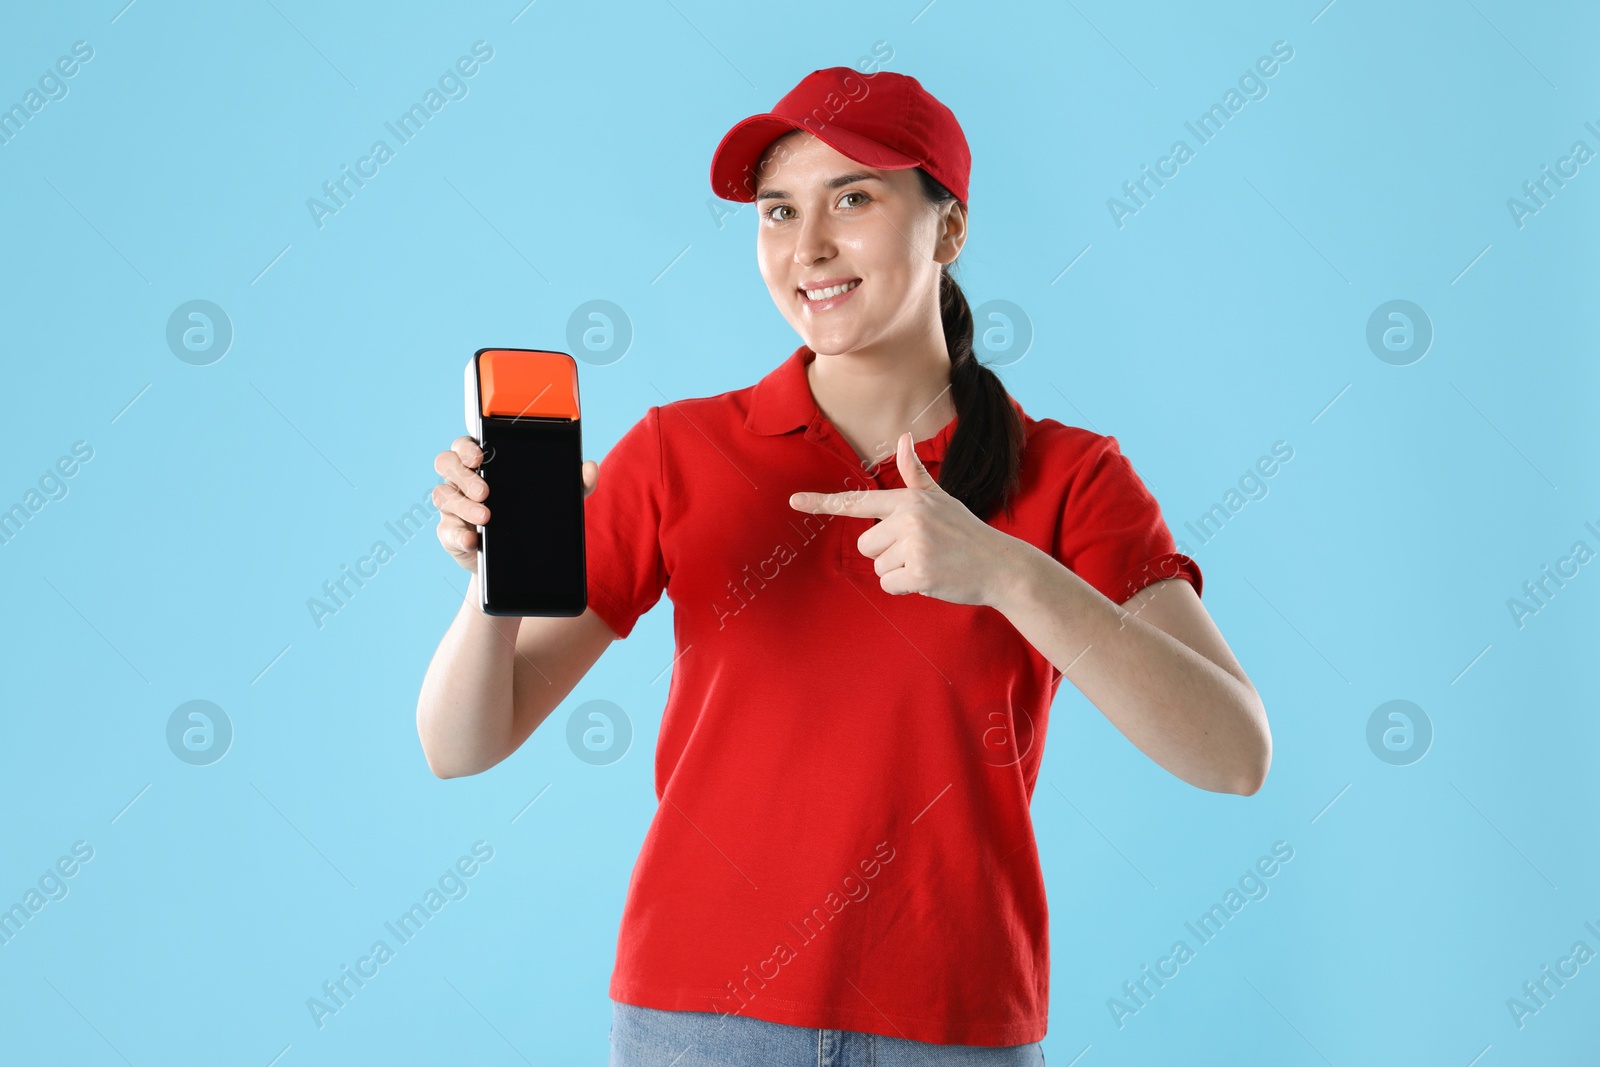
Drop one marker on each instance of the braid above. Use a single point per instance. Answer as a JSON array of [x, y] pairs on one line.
[[982, 466]]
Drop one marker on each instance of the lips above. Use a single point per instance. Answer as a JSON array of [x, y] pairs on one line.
[[833, 288], [824, 283]]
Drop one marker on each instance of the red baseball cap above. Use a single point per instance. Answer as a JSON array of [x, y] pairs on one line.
[[885, 120]]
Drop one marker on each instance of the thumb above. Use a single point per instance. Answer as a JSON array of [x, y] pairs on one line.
[[912, 472]]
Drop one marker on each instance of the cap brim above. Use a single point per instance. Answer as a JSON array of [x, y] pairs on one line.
[[733, 164]]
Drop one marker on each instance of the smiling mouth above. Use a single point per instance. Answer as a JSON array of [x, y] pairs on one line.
[[820, 296]]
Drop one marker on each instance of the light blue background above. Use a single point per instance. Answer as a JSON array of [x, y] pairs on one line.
[[1228, 314]]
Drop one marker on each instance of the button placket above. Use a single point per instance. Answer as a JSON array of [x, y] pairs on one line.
[[852, 556], [851, 527]]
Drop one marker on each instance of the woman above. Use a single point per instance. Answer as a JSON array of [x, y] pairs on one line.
[[842, 867]]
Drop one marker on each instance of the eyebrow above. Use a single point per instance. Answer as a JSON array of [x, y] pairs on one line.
[[832, 183]]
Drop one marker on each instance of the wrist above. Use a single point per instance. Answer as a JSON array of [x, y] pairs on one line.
[[1015, 577]]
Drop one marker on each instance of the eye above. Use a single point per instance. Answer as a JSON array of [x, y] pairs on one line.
[[776, 207], [864, 197]]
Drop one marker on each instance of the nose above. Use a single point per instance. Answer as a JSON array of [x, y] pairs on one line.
[[815, 240]]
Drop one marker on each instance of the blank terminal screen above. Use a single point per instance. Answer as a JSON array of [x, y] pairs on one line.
[[533, 542]]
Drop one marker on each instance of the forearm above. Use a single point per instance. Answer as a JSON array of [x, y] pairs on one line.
[[464, 710], [1193, 718]]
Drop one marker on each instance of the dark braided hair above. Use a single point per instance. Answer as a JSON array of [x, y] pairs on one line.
[[982, 466]]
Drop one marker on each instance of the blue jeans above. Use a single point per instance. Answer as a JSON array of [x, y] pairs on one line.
[[649, 1037]]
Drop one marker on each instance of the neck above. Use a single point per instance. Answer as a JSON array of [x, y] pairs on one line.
[[872, 396]]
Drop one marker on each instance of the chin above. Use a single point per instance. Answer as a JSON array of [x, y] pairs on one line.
[[840, 338], [829, 344]]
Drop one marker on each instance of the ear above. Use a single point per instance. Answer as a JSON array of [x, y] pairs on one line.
[[952, 232]]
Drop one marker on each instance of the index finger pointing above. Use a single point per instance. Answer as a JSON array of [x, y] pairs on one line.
[[878, 503]]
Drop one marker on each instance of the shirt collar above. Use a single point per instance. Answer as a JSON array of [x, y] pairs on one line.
[[782, 402]]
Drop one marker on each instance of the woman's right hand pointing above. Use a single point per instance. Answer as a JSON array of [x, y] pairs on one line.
[[460, 499]]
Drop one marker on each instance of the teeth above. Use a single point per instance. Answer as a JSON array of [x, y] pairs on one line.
[[831, 291]]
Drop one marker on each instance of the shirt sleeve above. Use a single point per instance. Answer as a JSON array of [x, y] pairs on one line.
[[1112, 533], [622, 528]]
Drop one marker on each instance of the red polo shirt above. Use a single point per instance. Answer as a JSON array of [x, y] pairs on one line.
[[843, 838]]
